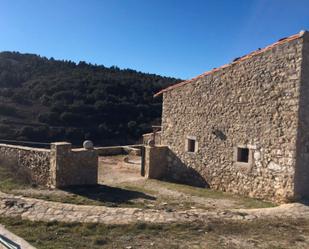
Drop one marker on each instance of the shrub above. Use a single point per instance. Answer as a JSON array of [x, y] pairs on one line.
[[49, 118], [71, 118], [8, 110], [35, 133], [19, 97], [6, 92], [45, 100], [75, 135], [58, 107], [5, 129]]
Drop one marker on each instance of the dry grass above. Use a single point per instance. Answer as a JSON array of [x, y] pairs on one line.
[[131, 194], [215, 234], [241, 201], [12, 177], [141, 193]]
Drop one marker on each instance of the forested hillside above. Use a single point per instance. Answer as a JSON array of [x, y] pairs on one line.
[[49, 100]]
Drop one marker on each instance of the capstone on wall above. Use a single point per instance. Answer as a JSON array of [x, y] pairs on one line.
[[250, 104], [118, 150]]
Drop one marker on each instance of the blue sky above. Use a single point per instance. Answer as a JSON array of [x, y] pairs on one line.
[[168, 37]]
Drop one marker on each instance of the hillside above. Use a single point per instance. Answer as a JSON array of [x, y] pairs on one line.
[[50, 100]]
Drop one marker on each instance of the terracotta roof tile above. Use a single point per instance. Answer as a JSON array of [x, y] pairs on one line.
[[235, 61]]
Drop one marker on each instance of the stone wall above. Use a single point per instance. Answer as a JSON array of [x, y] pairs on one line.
[[250, 104], [149, 136], [155, 162], [110, 150], [31, 163], [56, 167], [119, 150], [73, 166], [302, 162]]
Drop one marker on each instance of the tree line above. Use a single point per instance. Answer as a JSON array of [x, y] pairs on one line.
[[49, 100]]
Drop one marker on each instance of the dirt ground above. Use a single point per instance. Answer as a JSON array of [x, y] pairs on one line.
[[114, 171], [121, 185]]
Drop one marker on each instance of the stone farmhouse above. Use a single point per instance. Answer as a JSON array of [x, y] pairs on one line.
[[243, 127]]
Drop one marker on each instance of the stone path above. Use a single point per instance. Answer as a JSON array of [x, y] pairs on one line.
[[40, 210]]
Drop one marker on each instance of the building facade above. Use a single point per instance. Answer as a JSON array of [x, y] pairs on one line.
[[244, 127]]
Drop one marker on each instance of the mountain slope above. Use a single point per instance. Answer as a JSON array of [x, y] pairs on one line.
[[49, 100]]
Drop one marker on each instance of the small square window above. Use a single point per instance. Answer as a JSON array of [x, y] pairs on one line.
[[243, 155], [191, 145]]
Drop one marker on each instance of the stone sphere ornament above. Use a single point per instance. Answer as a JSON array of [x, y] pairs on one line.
[[151, 143], [88, 145]]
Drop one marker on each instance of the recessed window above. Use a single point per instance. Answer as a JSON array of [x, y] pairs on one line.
[[191, 144], [243, 155]]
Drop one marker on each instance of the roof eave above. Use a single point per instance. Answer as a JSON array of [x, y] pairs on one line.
[[236, 61]]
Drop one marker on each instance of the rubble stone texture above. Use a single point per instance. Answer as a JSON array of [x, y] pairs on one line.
[[260, 103], [33, 163], [56, 167], [41, 210], [71, 167]]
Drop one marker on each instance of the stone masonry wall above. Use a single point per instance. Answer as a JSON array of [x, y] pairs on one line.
[[73, 166], [302, 162], [251, 104], [155, 162], [149, 136], [56, 167], [118, 150], [33, 163]]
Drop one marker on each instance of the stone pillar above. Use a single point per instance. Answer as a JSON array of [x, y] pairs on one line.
[[155, 161], [59, 158]]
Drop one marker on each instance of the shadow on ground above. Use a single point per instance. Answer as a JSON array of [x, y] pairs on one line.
[[107, 194]]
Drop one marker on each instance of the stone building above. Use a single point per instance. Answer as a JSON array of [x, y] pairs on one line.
[[244, 127]]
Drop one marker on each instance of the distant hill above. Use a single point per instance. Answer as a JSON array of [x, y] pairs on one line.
[[50, 100]]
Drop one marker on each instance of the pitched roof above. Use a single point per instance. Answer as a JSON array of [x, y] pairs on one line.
[[235, 61]]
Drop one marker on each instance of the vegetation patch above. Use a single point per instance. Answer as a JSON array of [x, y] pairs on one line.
[[140, 194], [214, 234], [242, 201], [100, 195], [8, 110], [11, 179], [50, 100]]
